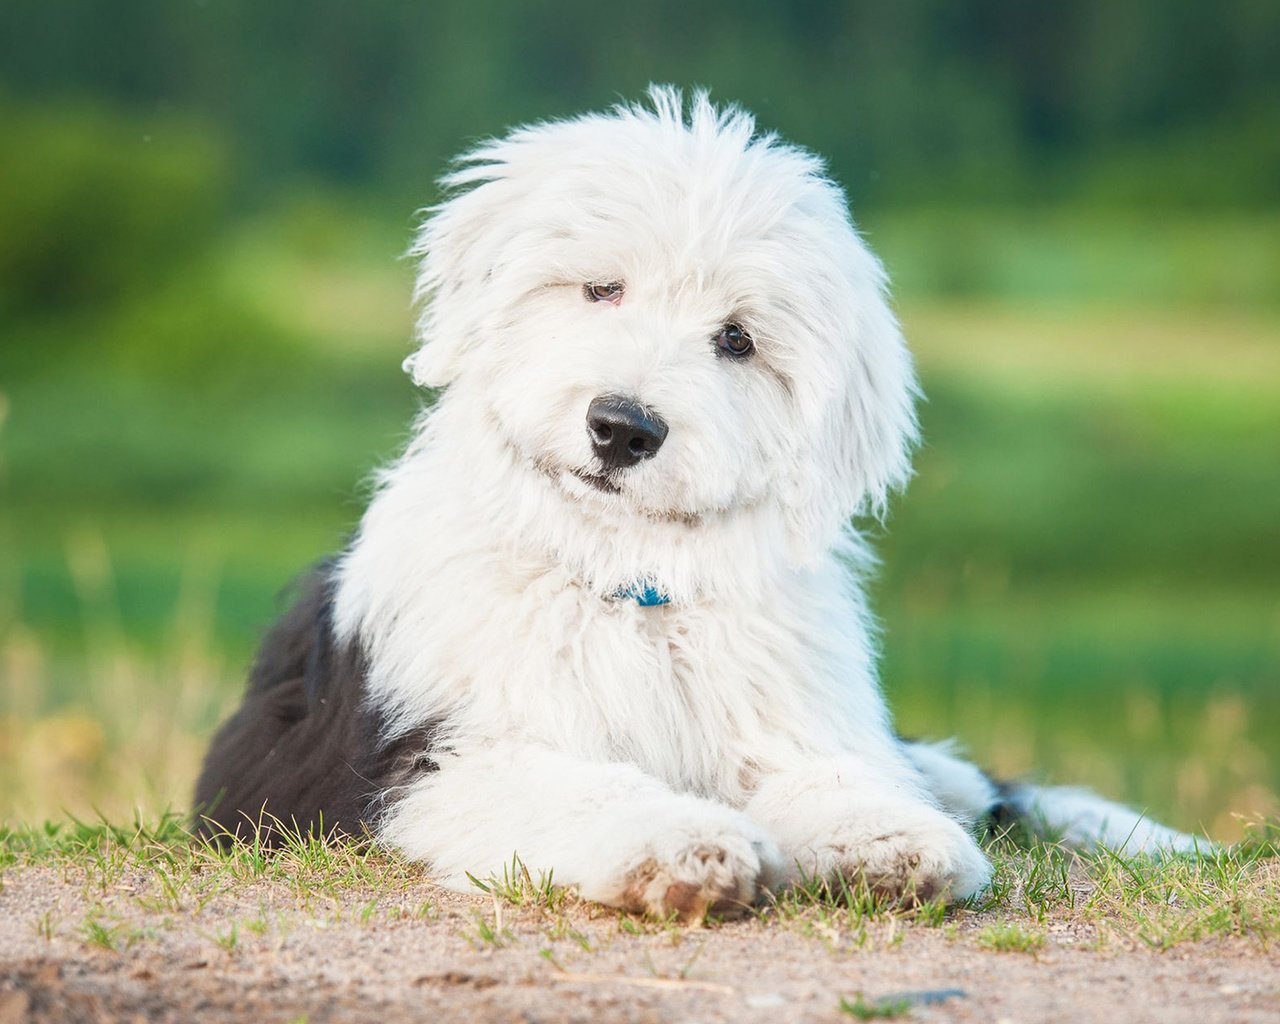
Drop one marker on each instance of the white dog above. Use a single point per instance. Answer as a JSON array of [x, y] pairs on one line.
[[605, 613]]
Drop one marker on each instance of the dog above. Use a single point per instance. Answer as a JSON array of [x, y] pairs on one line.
[[605, 612]]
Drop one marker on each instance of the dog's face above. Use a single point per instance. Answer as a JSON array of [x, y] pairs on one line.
[[670, 319]]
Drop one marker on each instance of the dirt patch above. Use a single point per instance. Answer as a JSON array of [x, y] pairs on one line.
[[72, 952]]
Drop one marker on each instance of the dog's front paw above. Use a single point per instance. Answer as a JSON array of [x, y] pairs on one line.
[[691, 869], [913, 853]]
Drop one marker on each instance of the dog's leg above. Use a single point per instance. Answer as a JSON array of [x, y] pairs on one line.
[[854, 819], [622, 837], [963, 789], [1081, 819], [1076, 817]]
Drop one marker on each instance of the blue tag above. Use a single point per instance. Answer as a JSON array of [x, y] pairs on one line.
[[645, 595]]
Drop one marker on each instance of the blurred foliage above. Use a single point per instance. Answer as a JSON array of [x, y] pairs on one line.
[[99, 204], [1148, 101], [203, 310]]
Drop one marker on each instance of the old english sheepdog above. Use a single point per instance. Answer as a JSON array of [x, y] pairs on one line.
[[604, 613]]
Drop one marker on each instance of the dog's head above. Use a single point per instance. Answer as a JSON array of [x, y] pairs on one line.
[[672, 319]]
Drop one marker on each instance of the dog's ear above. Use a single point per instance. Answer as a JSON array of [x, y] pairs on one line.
[[458, 248], [860, 413]]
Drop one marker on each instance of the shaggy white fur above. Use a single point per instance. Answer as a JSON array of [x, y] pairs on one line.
[[679, 756]]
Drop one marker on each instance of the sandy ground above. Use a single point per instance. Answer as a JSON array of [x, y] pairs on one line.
[[421, 954]]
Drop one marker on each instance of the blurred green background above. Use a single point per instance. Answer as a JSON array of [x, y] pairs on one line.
[[203, 308]]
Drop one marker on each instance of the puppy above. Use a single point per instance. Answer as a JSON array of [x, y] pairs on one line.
[[604, 613]]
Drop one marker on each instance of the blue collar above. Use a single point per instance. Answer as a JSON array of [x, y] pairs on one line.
[[646, 595]]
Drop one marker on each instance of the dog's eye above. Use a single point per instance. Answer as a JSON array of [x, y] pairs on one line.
[[603, 291], [734, 342]]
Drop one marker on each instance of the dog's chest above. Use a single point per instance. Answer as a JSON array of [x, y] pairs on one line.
[[505, 648], [699, 697]]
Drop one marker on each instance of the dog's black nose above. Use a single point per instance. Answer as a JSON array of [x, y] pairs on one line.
[[622, 432]]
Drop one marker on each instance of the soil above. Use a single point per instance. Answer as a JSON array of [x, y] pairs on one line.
[[420, 954]]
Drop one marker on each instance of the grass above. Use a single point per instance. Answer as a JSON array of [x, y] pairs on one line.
[[1010, 937], [860, 1007], [885, 1008], [139, 880], [517, 887], [96, 933], [182, 872]]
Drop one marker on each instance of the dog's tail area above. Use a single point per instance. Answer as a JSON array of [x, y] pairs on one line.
[[1073, 816]]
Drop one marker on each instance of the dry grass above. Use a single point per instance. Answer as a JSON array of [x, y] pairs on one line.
[[128, 732]]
